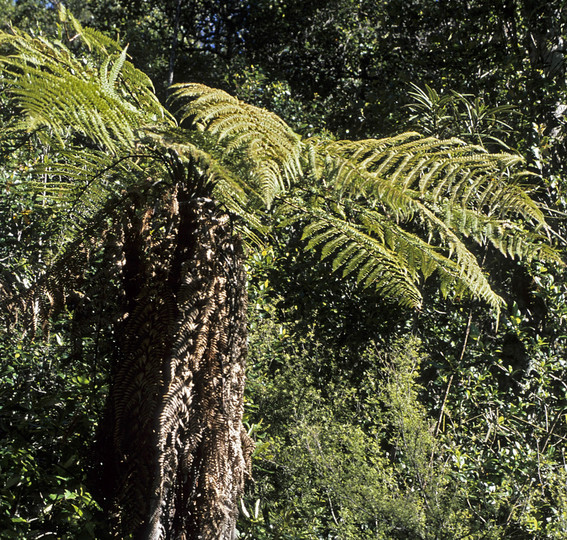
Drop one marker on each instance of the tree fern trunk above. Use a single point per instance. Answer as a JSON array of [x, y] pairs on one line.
[[176, 451]]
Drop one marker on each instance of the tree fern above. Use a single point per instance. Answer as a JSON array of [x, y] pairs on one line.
[[439, 191]]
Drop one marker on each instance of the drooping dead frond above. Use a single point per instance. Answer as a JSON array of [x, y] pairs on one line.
[[177, 452]]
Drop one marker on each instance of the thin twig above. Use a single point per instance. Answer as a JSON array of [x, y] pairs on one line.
[[461, 356]]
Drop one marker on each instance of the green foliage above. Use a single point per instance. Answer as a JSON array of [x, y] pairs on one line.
[[457, 115], [339, 416], [349, 461], [50, 403], [355, 437]]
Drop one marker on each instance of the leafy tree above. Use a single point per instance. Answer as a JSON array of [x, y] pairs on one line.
[[147, 206], [319, 358]]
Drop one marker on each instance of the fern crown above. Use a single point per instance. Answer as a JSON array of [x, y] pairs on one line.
[[389, 211]]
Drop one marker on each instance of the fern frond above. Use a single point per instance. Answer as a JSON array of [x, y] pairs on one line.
[[357, 252], [378, 250], [405, 173], [429, 169], [509, 237], [270, 148], [67, 92]]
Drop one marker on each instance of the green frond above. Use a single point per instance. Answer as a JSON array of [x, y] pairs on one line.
[[271, 150], [358, 253], [425, 257], [67, 92], [405, 173], [364, 241]]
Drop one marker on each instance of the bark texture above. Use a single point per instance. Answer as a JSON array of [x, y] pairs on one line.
[[176, 453]]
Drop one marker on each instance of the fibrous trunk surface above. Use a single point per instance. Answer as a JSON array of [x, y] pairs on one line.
[[176, 453]]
